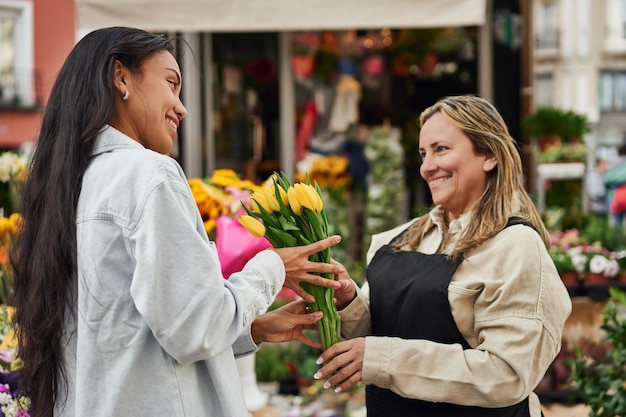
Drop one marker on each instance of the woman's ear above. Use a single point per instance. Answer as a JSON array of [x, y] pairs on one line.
[[121, 76], [490, 163]]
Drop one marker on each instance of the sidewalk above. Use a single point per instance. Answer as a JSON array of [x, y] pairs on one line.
[[317, 402], [314, 401]]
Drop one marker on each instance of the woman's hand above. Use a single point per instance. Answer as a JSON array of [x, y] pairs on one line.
[[344, 362], [298, 268], [347, 291], [286, 323]]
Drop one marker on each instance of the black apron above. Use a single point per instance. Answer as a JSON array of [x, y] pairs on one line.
[[409, 299]]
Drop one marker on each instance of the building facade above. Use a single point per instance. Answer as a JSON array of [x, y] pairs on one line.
[[35, 38], [579, 64]]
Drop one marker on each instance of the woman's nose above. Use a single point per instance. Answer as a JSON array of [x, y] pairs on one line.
[[181, 110], [426, 166]]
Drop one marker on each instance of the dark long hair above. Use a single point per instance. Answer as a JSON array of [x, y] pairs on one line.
[[44, 257]]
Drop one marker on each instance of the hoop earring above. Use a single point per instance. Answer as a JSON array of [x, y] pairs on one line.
[[126, 94]]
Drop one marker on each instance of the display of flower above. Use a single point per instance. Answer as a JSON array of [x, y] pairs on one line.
[[291, 215], [598, 260], [565, 239], [220, 194], [327, 171], [13, 171], [12, 402], [12, 165], [556, 151], [571, 253], [562, 260], [599, 381], [559, 133], [9, 227]]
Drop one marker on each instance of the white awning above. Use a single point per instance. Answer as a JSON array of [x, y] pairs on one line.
[[277, 15]]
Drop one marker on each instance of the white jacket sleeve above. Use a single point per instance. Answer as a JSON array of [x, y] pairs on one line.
[[178, 285]]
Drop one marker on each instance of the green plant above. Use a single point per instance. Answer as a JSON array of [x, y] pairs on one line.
[[278, 361], [599, 229], [562, 260], [601, 382], [575, 151], [547, 121], [271, 360], [412, 45]]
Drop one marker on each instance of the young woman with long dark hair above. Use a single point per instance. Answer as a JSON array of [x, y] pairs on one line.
[[121, 307]]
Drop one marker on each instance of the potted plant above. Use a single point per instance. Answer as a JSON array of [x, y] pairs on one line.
[[599, 383], [559, 134], [564, 265], [411, 48]]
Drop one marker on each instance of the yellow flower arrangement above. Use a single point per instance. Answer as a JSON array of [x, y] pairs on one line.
[[220, 194], [9, 228], [292, 215], [328, 171]]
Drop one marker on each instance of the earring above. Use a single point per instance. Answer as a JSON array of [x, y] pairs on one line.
[[126, 94]]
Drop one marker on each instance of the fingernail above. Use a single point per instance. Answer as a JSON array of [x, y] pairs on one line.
[[319, 361], [318, 314], [337, 390], [326, 385], [317, 375]]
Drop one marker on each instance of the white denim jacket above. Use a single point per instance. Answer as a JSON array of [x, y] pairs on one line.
[[157, 327], [509, 303]]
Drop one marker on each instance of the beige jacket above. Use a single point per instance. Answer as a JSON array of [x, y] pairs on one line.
[[509, 303]]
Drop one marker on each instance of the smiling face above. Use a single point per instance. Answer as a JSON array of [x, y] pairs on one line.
[[456, 175], [152, 112]]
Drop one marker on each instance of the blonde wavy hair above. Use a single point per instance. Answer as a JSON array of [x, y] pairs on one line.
[[504, 196]]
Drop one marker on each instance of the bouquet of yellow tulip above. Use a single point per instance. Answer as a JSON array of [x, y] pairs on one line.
[[293, 215]]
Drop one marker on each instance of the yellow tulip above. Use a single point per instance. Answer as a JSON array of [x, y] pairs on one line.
[[252, 225], [259, 199], [272, 201], [294, 203], [283, 195], [304, 195]]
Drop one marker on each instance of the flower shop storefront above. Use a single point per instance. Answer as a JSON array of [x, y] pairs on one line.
[[272, 85], [247, 85]]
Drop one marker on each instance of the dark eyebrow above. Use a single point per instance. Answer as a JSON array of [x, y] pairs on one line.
[[175, 72]]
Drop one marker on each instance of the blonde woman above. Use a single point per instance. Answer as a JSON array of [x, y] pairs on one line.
[[463, 308]]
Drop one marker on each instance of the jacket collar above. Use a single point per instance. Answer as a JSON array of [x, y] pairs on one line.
[[437, 219], [110, 139]]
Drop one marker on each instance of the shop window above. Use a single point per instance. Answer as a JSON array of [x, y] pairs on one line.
[[546, 32], [623, 14], [246, 103], [543, 91], [615, 26], [612, 91], [17, 77]]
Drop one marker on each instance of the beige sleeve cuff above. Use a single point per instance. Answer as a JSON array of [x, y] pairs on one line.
[[355, 317], [376, 362]]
